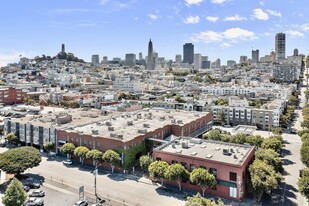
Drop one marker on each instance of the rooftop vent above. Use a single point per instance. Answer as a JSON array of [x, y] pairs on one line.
[[178, 151], [108, 123], [162, 118], [173, 121], [130, 123], [217, 148], [142, 131], [112, 135], [209, 156], [95, 131], [146, 125], [179, 122], [171, 116], [119, 136], [226, 152], [193, 153], [184, 144], [110, 128]]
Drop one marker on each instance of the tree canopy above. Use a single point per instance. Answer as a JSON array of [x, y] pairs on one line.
[[81, 152], [203, 178], [198, 200], [94, 154], [14, 195], [11, 138], [49, 146], [176, 172], [68, 148], [157, 169], [145, 161], [112, 158], [18, 160], [273, 143], [270, 157], [263, 178]]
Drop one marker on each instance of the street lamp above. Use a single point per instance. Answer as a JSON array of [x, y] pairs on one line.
[[95, 173]]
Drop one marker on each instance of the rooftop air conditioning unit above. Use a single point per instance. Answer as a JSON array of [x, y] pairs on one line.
[[146, 125], [179, 122], [142, 131], [173, 121], [120, 136], [108, 123], [226, 152], [185, 144], [95, 131], [162, 118], [130, 123], [110, 128], [112, 135]]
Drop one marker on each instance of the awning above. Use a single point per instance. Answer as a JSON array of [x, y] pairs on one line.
[[62, 141]]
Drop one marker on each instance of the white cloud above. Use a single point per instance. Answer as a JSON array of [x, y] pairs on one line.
[[294, 33], [260, 14], [153, 16], [7, 57], [225, 45], [102, 2], [192, 20], [229, 36], [212, 18], [235, 18], [305, 27], [273, 12], [218, 1], [262, 3], [268, 34], [193, 2]]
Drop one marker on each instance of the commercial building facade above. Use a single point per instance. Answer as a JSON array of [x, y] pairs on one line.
[[228, 162], [10, 95]]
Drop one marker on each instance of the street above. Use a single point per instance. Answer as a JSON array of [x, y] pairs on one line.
[[119, 190]]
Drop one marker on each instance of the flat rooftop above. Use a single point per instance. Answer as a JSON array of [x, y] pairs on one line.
[[128, 125], [246, 129], [210, 150]]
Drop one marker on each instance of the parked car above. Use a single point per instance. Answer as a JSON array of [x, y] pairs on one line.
[[33, 201], [37, 193], [81, 203], [67, 162], [26, 188], [32, 185]]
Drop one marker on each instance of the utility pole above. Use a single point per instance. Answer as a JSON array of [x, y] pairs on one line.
[[95, 173]]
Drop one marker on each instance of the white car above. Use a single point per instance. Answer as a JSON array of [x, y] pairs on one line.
[[81, 203], [67, 162]]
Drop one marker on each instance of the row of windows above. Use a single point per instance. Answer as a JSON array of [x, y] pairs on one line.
[[232, 175]]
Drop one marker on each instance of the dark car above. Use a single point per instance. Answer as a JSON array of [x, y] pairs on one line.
[[26, 188], [32, 185]]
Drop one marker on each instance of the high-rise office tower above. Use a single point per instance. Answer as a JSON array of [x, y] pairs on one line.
[[280, 46], [178, 59], [130, 60], [295, 52], [95, 59], [230, 63], [255, 56], [150, 57], [243, 59], [188, 53], [197, 61], [62, 48], [140, 56], [155, 59]]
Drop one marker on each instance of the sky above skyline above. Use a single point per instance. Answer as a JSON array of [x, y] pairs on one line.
[[222, 29]]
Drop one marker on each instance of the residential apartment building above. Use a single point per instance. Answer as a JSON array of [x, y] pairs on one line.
[[286, 72], [10, 95], [228, 162]]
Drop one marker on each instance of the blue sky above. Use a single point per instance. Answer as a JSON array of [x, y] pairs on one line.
[[222, 29]]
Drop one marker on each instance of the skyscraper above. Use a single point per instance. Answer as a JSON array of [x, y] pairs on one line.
[[197, 61], [255, 56], [188, 53], [130, 60], [150, 58], [62, 48], [95, 59], [280, 46], [295, 52]]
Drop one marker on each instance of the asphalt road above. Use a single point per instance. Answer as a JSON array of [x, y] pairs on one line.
[[119, 190]]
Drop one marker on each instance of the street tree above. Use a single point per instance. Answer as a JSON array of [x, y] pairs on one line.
[[303, 185], [95, 155], [112, 158], [306, 95], [49, 146], [68, 148], [178, 173], [213, 135], [145, 161], [270, 157], [203, 178], [11, 138], [304, 154], [198, 200], [276, 130], [263, 178], [305, 137], [254, 140], [157, 170], [18, 160], [293, 100], [272, 143], [305, 122], [14, 195], [239, 138], [81, 152]]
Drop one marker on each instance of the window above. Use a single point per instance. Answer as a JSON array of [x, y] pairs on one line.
[[192, 167], [76, 140], [85, 142], [213, 171], [174, 162], [158, 158], [233, 176], [233, 192], [184, 164], [90, 142]]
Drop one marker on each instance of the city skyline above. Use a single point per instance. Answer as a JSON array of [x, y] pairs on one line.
[[217, 28]]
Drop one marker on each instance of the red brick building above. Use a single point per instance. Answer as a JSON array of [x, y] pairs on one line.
[[10, 95], [129, 129], [226, 161]]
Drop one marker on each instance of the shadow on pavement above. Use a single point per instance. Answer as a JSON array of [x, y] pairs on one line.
[[116, 177], [287, 162], [171, 192]]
